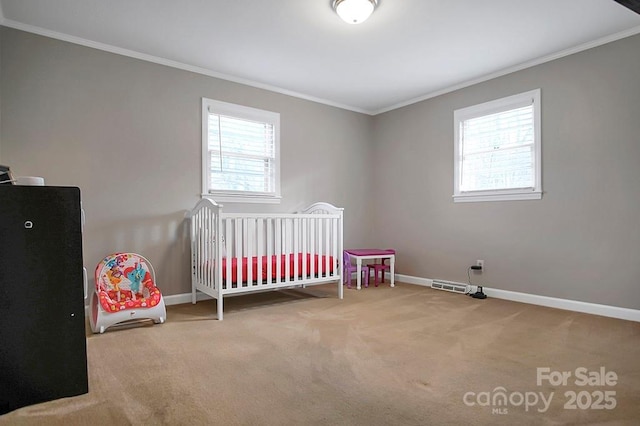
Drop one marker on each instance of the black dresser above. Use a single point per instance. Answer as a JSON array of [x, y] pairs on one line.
[[43, 352]]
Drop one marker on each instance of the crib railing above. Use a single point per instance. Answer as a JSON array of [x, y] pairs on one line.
[[301, 248], [313, 240]]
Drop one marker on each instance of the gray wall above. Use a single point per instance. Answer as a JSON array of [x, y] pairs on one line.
[[128, 133], [581, 241]]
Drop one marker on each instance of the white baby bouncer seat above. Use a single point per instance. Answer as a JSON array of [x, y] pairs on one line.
[[125, 291]]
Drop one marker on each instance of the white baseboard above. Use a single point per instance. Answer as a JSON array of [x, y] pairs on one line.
[[566, 304], [514, 296], [550, 302], [408, 279], [179, 299]]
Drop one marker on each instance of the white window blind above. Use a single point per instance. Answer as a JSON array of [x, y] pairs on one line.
[[241, 151], [498, 149]]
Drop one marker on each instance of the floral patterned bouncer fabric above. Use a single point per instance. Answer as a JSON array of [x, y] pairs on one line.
[[125, 290]]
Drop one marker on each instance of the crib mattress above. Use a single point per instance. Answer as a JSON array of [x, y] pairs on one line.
[[319, 266]]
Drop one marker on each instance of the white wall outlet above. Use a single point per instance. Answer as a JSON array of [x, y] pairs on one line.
[[480, 263]]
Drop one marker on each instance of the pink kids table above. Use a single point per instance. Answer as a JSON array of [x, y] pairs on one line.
[[368, 254]]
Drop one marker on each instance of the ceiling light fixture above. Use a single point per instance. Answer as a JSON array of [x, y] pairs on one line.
[[354, 11]]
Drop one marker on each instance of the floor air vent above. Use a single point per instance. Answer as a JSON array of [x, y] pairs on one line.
[[449, 286]]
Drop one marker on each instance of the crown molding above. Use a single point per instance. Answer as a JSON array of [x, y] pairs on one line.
[[204, 71], [173, 64], [552, 57]]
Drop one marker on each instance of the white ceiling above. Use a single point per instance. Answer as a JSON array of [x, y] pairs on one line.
[[407, 51]]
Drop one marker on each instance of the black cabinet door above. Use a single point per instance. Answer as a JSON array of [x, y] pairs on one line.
[[42, 322]]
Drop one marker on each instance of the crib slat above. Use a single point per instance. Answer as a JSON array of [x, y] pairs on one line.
[[269, 250], [326, 247], [259, 249], [239, 253], [312, 263], [278, 248], [296, 249], [320, 246], [230, 253], [248, 240], [305, 227], [286, 249]]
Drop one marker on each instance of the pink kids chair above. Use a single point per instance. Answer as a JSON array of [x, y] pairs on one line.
[[378, 269], [350, 268], [125, 290]]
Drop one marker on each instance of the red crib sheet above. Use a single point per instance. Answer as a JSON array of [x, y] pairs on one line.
[[318, 269]]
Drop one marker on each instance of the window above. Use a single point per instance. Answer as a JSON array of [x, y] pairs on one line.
[[497, 150], [240, 153]]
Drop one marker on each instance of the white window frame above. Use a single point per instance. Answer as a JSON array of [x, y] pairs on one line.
[[246, 113], [492, 107]]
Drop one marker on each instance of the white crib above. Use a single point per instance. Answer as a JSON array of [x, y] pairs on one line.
[[263, 251]]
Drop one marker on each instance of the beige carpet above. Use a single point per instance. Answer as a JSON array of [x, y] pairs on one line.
[[407, 355]]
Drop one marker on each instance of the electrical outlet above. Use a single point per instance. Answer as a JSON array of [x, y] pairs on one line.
[[480, 263]]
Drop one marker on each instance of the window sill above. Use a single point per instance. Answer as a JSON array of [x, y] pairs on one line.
[[497, 196], [226, 198]]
